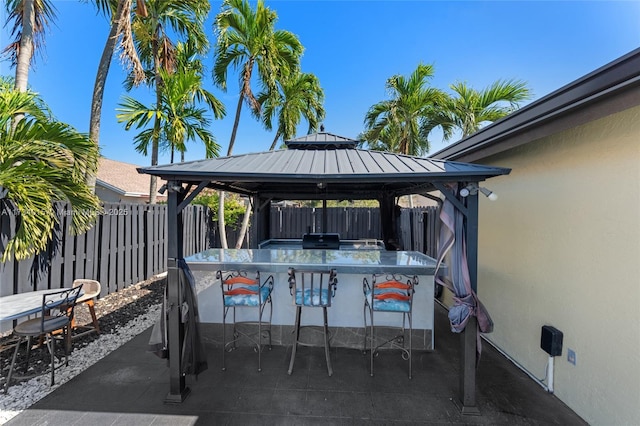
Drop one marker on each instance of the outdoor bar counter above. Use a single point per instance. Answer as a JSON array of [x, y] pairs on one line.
[[346, 312]]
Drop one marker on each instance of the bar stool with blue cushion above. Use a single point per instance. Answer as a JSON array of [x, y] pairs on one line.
[[55, 316], [392, 294], [312, 289], [243, 289]]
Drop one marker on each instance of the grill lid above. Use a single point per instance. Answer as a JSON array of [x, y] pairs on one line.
[[329, 241]]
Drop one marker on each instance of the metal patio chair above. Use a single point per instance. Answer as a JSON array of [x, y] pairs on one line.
[[393, 294], [53, 324], [312, 289], [241, 291]]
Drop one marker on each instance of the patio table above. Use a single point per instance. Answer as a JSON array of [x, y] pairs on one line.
[[23, 304]]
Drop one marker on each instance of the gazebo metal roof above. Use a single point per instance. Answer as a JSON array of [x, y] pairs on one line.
[[323, 166]]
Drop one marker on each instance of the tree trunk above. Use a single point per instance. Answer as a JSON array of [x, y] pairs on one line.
[[275, 141], [155, 143], [25, 53], [236, 122], [245, 225], [98, 86], [221, 224]]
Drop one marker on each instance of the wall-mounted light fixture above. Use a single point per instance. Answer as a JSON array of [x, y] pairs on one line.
[[473, 188], [322, 185], [173, 188], [176, 188]]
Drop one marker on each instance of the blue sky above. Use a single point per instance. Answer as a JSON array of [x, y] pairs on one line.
[[353, 47]]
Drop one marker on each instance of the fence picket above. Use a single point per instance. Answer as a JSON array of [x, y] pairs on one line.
[[128, 242]]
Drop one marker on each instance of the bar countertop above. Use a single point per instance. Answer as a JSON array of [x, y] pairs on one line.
[[344, 261]]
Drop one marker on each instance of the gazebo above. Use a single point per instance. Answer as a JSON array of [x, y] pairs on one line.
[[321, 166]]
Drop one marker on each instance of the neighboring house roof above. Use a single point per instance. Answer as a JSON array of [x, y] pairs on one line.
[[605, 91], [123, 178], [334, 170]]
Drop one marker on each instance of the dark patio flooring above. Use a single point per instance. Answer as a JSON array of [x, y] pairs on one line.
[[128, 387]]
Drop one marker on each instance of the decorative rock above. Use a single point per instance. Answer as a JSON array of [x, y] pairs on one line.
[[22, 395]]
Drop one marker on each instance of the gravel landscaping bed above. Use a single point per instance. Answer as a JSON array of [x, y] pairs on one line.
[[121, 315]]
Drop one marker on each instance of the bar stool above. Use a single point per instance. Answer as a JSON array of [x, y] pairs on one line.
[[241, 291], [389, 293], [90, 290], [313, 289]]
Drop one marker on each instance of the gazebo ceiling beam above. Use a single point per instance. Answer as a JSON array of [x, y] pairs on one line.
[[230, 188]]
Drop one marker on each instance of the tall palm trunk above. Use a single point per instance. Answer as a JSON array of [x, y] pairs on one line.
[[98, 86], [245, 224], [155, 143], [221, 222], [26, 46], [275, 141], [25, 52], [120, 26]]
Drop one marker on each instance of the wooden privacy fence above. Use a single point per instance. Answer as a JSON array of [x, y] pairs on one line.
[[128, 243], [419, 229], [418, 226], [349, 222]]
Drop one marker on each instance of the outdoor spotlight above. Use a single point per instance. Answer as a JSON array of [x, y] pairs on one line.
[[322, 185], [163, 189], [473, 188], [489, 194], [176, 188]]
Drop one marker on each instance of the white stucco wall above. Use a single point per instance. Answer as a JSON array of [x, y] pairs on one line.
[[108, 196], [561, 246]]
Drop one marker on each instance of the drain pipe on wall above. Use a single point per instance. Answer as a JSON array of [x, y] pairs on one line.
[[550, 342], [548, 369]]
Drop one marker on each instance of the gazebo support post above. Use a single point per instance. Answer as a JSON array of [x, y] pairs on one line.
[[178, 391], [388, 221], [260, 229], [469, 336]]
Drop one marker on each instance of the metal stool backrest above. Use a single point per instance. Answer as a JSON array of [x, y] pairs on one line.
[[57, 309], [395, 289], [241, 284], [311, 287]]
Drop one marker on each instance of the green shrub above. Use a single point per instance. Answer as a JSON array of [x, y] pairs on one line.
[[234, 207]]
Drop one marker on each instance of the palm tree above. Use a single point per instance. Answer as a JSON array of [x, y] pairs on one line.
[[187, 87], [468, 108], [394, 124], [41, 161], [299, 96], [248, 41], [120, 18], [180, 118], [183, 18], [30, 21]]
